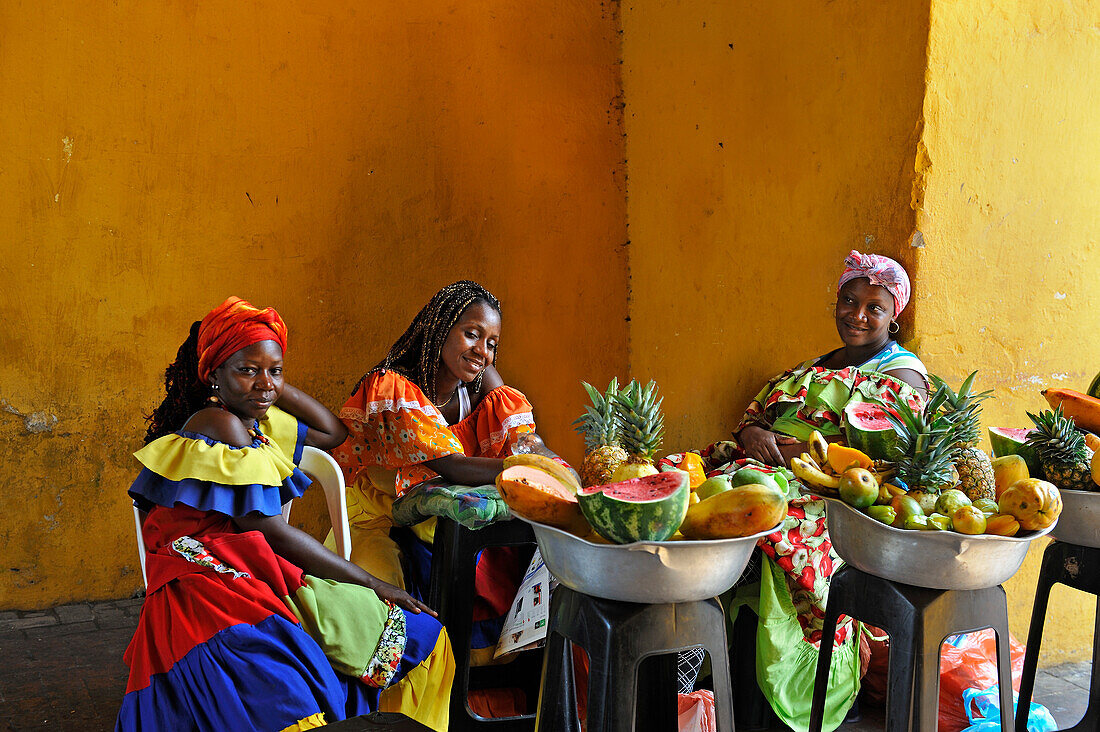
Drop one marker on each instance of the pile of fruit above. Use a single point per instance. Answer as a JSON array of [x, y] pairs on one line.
[[621, 496], [1062, 446], [923, 469]]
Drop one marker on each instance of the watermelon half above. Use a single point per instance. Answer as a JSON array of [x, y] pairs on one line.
[[1013, 441], [867, 430], [650, 508]]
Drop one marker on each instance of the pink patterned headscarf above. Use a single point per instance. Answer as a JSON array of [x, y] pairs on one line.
[[881, 271]]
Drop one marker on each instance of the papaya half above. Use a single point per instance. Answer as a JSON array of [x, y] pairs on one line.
[[1081, 408], [542, 497], [740, 511]]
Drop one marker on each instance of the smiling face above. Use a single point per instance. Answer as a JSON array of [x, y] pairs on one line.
[[471, 344], [863, 313], [250, 380]]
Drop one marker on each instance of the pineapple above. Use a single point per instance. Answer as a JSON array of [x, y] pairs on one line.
[[600, 426], [643, 427], [974, 466], [926, 449], [1062, 451]]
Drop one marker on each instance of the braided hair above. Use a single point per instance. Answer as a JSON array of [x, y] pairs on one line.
[[415, 355], [185, 394]]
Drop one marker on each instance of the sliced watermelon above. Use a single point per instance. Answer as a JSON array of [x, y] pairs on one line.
[[867, 430], [1013, 441], [650, 508]]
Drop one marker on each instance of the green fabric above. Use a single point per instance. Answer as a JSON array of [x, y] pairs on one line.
[[346, 620], [786, 663], [473, 507]]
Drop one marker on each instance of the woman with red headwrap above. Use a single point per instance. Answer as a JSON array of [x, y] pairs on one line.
[[796, 563], [249, 623]]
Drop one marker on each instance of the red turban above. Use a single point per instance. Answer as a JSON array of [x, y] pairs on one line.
[[234, 325]]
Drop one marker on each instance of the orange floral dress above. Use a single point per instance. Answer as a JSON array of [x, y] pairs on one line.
[[393, 429]]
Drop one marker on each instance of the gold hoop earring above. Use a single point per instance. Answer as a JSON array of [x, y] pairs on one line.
[[893, 328]]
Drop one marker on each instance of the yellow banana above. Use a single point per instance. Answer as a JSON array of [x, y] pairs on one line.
[[819, 448], [805, 457], [546, 465], [815, 477]]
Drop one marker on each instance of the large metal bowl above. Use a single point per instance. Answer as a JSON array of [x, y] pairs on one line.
[[1080, 519], [646, 571], [941, 560]]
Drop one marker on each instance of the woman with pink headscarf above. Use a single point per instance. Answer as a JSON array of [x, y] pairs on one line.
[[797, 561], [870, 366]]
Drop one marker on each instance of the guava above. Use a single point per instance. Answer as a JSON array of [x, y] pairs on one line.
[[926, 500], [988, 506], [969, 520], [950, 501]]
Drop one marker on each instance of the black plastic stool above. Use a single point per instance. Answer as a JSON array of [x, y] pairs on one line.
[[618, 637], [918, 620], [379, 722], [451, 594], [1077, 567]]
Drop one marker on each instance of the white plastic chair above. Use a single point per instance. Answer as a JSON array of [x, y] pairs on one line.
[[324, 471], [320, 466]]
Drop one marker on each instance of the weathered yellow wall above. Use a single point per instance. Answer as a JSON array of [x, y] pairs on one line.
[[1007, 194], [764, 141], [340, 163]]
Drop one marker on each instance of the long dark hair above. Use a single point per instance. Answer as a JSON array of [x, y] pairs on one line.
[[415, 355], [184, 393]]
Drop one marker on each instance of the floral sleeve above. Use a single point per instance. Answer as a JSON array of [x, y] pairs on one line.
[[393, 425]]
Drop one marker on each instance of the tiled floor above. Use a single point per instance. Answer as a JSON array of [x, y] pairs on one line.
[[62, 669]]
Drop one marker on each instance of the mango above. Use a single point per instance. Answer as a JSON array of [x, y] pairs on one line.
[[1006, 471], [840, 458]]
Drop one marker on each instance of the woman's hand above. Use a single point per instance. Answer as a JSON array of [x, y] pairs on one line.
[[764, 445], [399, 597]]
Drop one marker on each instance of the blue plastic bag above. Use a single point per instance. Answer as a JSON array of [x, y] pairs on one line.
[[983, 709]]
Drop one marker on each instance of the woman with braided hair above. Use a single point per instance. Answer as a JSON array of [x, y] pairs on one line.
[[428, 429], [249, 623]]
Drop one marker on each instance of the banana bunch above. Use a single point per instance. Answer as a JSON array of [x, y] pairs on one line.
[[820, 468], [807, 467]]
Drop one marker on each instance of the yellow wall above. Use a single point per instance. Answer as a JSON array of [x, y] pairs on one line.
[[764, 141], [1007, 192], [340, 163]]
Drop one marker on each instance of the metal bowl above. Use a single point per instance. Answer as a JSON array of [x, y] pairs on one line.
[[940, 560], [1080, 519], [651, 572]]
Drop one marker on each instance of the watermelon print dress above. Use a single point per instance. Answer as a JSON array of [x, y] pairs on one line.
[[393, 429], [798, 559], [233, 636]]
